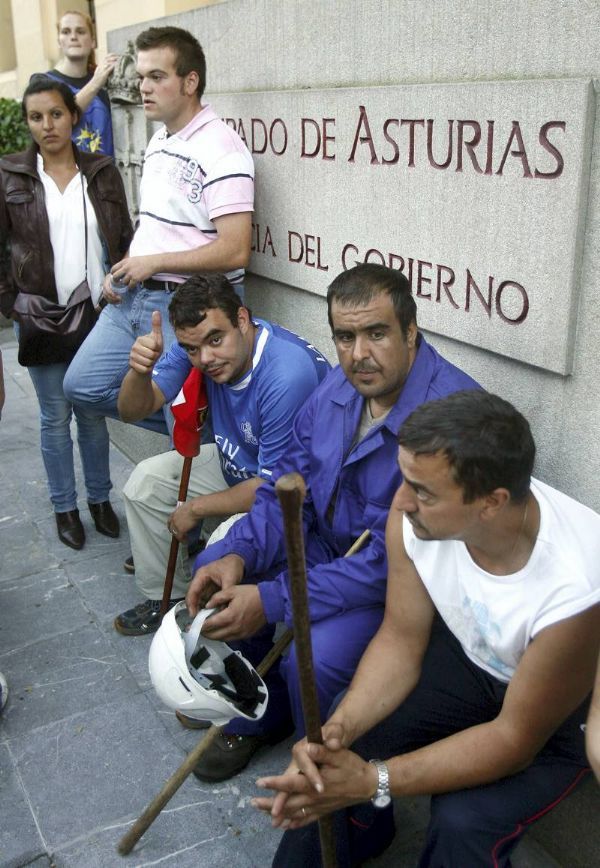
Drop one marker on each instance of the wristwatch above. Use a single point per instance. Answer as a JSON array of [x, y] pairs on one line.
[[382, 797]]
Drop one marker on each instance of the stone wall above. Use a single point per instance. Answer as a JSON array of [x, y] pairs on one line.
[[453, 140]]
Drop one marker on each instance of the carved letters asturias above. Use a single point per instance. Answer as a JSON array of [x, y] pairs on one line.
[[486, 147]]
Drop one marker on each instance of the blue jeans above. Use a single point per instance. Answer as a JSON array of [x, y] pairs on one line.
[[57, 447], [96, 373]]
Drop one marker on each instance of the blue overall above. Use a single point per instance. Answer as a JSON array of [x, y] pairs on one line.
[[349, 489]]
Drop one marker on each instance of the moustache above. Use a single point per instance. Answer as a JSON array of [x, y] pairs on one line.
[[364, 369]]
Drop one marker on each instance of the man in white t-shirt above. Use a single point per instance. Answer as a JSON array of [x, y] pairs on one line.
[[474, 688], [196, 203]]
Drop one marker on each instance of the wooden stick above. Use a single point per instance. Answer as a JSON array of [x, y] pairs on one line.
[[172, 563], [291, 492], [358, 543], [133, 835]]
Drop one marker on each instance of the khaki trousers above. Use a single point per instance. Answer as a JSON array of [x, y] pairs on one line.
[[150, 496]]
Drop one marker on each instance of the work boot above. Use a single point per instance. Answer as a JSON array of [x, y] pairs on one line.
[[192, 722], [229, 754]]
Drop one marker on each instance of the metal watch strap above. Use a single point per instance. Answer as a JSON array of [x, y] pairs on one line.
[[382, 796]]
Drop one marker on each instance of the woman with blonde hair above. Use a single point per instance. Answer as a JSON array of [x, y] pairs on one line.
[[78, 70]]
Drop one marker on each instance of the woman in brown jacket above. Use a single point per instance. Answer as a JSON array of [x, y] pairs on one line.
[[43, 226]]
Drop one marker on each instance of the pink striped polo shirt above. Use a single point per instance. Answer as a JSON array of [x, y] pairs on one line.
[[202, 172]]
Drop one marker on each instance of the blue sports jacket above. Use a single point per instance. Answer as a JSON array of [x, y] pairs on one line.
[[363, 480]]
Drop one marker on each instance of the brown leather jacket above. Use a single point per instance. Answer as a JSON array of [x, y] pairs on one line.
[[26, 255]]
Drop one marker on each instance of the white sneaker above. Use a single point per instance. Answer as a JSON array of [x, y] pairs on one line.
[[3, 691]]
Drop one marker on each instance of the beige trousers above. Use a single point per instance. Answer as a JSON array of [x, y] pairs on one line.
[[150, 496]]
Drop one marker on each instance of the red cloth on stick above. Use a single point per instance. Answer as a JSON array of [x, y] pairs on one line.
[[189, 410]]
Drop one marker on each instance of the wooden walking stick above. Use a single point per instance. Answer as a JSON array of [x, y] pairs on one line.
[[130, 839], [172, 562], [291, 492], [145, 820]]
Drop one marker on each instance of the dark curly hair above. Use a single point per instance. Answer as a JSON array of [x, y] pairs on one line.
[[200, 293], [486, 441]]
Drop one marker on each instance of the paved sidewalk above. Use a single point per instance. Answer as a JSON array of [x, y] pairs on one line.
[[84, 742]]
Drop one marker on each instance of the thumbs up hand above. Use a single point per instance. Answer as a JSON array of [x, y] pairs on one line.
[[147, 349], [156, 332]]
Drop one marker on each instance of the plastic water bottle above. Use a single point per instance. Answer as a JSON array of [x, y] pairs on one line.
[[118, 286]]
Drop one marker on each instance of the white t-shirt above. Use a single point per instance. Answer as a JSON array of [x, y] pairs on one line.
[[496, 617], [67, 236]]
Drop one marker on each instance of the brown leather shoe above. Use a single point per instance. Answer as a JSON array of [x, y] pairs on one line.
[[105, 519], [70, 529]]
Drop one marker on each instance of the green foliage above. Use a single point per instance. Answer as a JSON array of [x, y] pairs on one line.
[[14, 133]]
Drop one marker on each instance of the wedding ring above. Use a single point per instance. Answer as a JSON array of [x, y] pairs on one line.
[[303, 811]]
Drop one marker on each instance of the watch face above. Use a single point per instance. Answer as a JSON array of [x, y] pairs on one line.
[[382, 801]]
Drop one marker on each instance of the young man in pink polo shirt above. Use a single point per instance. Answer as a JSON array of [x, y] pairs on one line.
[[196, 203]]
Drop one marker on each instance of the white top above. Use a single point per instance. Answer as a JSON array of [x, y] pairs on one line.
[[67, 236], [199, 173], [496, 617]]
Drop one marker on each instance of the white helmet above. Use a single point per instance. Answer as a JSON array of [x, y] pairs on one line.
[[201, 677]]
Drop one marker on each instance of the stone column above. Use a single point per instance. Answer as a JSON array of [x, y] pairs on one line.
[[131, 130]]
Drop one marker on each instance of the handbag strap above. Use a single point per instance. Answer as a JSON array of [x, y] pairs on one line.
[[85, 223]]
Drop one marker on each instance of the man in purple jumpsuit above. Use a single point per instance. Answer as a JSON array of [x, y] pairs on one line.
[[344, 443]]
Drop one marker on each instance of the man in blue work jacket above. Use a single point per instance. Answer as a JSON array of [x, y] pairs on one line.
[[345, 444]]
